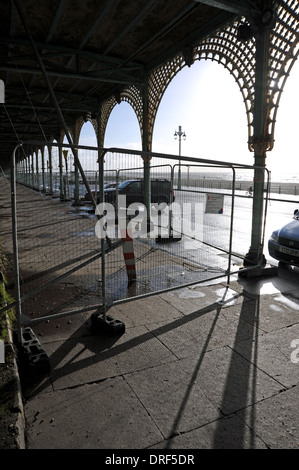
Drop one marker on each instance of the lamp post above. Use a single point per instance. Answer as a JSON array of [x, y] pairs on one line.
[[179, 134]]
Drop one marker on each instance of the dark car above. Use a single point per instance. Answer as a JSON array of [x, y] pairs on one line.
[[161, 191], [106, 186], [283, 244]]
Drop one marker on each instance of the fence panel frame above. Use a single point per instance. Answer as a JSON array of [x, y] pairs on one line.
[[102, 152]]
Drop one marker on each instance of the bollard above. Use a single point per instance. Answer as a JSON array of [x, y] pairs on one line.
[[128, 252]]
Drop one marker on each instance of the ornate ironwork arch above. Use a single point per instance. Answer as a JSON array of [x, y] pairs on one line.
[[157, 85], [284, 52], [131, 95], [80, 123], [238, 57], [223, 48], [62, 135]]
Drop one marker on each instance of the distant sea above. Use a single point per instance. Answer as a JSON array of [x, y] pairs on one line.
[[285, 177], [282, 183], [246, 175]]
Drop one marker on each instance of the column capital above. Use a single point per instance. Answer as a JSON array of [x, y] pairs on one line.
[[147, 158], [260, 145]]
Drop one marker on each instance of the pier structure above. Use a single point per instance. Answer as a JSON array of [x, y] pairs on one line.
[[77, 64], [63, 64]]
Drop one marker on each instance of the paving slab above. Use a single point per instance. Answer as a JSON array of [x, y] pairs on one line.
[[285, 281], [105, 415], [61, 329], [175, 402], [203, 367], [203, 330], [276, 420], [225, 433], [206, 379], [92, 358], [188, 299], [271, 353], [145, 311], [266, 313], [231, 382]]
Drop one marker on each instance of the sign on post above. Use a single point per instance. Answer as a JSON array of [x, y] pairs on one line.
[[214, 203]]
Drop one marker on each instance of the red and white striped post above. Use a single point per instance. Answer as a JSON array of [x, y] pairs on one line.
[[128, 252]]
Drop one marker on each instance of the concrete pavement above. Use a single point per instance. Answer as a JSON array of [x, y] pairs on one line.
[[205, 367]]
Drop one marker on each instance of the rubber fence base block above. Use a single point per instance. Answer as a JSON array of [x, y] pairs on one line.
[[32, 356], [170, 239], [259, 271], [108, 325]]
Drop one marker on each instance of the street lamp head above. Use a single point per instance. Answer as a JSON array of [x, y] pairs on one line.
[[180, 134]]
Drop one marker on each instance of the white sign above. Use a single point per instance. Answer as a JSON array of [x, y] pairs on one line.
[[214, 203], [2, 352]]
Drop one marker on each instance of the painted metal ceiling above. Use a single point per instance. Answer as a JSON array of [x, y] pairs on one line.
[[90, 50]]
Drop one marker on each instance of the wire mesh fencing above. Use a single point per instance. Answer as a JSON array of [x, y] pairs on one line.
[[160, 222], [199, 231], [59, 255]]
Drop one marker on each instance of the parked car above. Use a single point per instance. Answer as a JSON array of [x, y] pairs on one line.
[[161, 191], [106, 186], [283, 244]]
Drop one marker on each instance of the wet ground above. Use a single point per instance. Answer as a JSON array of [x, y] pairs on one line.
[[210, 366]]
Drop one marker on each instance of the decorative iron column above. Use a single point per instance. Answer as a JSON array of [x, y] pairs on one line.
[[50, 170], [43, 169], [36, 168], [261, 141], [61, 185], [75, 168], [146, 158]]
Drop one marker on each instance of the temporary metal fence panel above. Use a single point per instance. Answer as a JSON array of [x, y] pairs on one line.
[[59, 255], [72, 259], [227, 208], [205, 235]]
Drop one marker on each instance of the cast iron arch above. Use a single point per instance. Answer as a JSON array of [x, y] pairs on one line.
[[80, 123], [238, 58], [131, 95]]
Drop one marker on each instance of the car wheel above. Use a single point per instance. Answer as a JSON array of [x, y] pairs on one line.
[[283, 265]]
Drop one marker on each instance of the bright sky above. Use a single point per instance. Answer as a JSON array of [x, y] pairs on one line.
[[206, 101]]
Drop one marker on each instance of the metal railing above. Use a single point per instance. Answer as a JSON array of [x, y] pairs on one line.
[[199, 235]]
